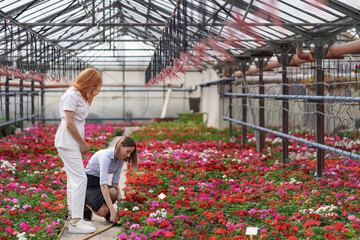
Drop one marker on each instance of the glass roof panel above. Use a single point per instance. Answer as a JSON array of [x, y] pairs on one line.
[[215, 14], [41, 11]]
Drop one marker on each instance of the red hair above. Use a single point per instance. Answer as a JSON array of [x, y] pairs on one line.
[[88, 78]]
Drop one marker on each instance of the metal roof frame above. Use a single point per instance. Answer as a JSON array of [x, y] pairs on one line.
[[111, 25]]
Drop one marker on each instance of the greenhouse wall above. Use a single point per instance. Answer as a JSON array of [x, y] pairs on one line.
[[137, 101]]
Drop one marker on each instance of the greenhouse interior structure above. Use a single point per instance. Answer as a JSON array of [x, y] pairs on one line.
[[243, 118]]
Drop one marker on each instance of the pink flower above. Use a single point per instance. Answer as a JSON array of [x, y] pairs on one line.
[[134, 226], [9, 230], [252, 211], [351, 217], [122, 236]]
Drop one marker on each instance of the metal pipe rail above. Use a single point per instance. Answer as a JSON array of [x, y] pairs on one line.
[[303, 97], [12, 94], [313, 144], [19, 120], [98, 119], [136, 90]]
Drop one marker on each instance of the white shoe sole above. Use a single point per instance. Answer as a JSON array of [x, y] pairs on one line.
[[81, 230], [87, 222], [81, 227]]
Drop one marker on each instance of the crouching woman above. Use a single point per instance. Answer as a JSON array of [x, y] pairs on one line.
[[100, 197]]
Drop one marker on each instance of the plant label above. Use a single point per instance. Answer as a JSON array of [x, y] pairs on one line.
[[251, 231]]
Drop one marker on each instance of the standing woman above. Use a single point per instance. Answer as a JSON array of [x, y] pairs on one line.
[[70, 143]]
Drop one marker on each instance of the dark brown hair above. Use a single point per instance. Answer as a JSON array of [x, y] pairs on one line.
[[127, 141]]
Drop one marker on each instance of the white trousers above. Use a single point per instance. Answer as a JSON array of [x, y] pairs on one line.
[[76, 181]]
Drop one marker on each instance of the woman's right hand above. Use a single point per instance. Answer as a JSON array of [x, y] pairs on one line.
[[113, 215], [84, 147]]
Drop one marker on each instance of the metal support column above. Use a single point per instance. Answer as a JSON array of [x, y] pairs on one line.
[[285, 105], [319, 52], [93, 13], [21, 104], [124, 111], [7, 107], [261, 143], [244, 104], [42, 99], [32, 101], [230, 104]]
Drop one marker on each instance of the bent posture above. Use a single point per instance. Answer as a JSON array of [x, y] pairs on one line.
[[100, 197]]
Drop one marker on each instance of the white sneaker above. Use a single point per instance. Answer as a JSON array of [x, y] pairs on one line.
[[81, 227], [87, 222]]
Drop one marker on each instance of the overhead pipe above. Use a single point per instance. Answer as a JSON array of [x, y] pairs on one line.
[[24, 85], [300, 53], [335, 50], [68, 85]]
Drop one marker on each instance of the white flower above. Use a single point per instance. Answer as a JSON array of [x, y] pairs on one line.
[[21, 236], [277, 140], [181, 189], [135, 208]]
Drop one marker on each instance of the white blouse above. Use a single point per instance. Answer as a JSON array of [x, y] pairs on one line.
[[73, 101]]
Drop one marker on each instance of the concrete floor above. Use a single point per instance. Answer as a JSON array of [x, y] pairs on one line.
[[99, 222]]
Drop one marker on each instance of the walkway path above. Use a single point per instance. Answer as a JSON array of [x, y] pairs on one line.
[[99, 222]]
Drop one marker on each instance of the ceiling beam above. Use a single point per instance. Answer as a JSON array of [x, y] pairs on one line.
[[344, 8], [243, 5], [163, 24]]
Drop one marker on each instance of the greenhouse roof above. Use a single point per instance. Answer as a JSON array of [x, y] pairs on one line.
[[124, 34]]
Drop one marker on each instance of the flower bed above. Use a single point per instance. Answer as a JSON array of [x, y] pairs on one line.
[[32, 183], [216, 189]]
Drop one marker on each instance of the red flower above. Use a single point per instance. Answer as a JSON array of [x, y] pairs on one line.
[[221, 231], [329, 236], [338, 226], [356, 226], [309, 223], [13, 212], [267, 221], [308, 232], [164, 224], [223, 221], [169, 234]]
